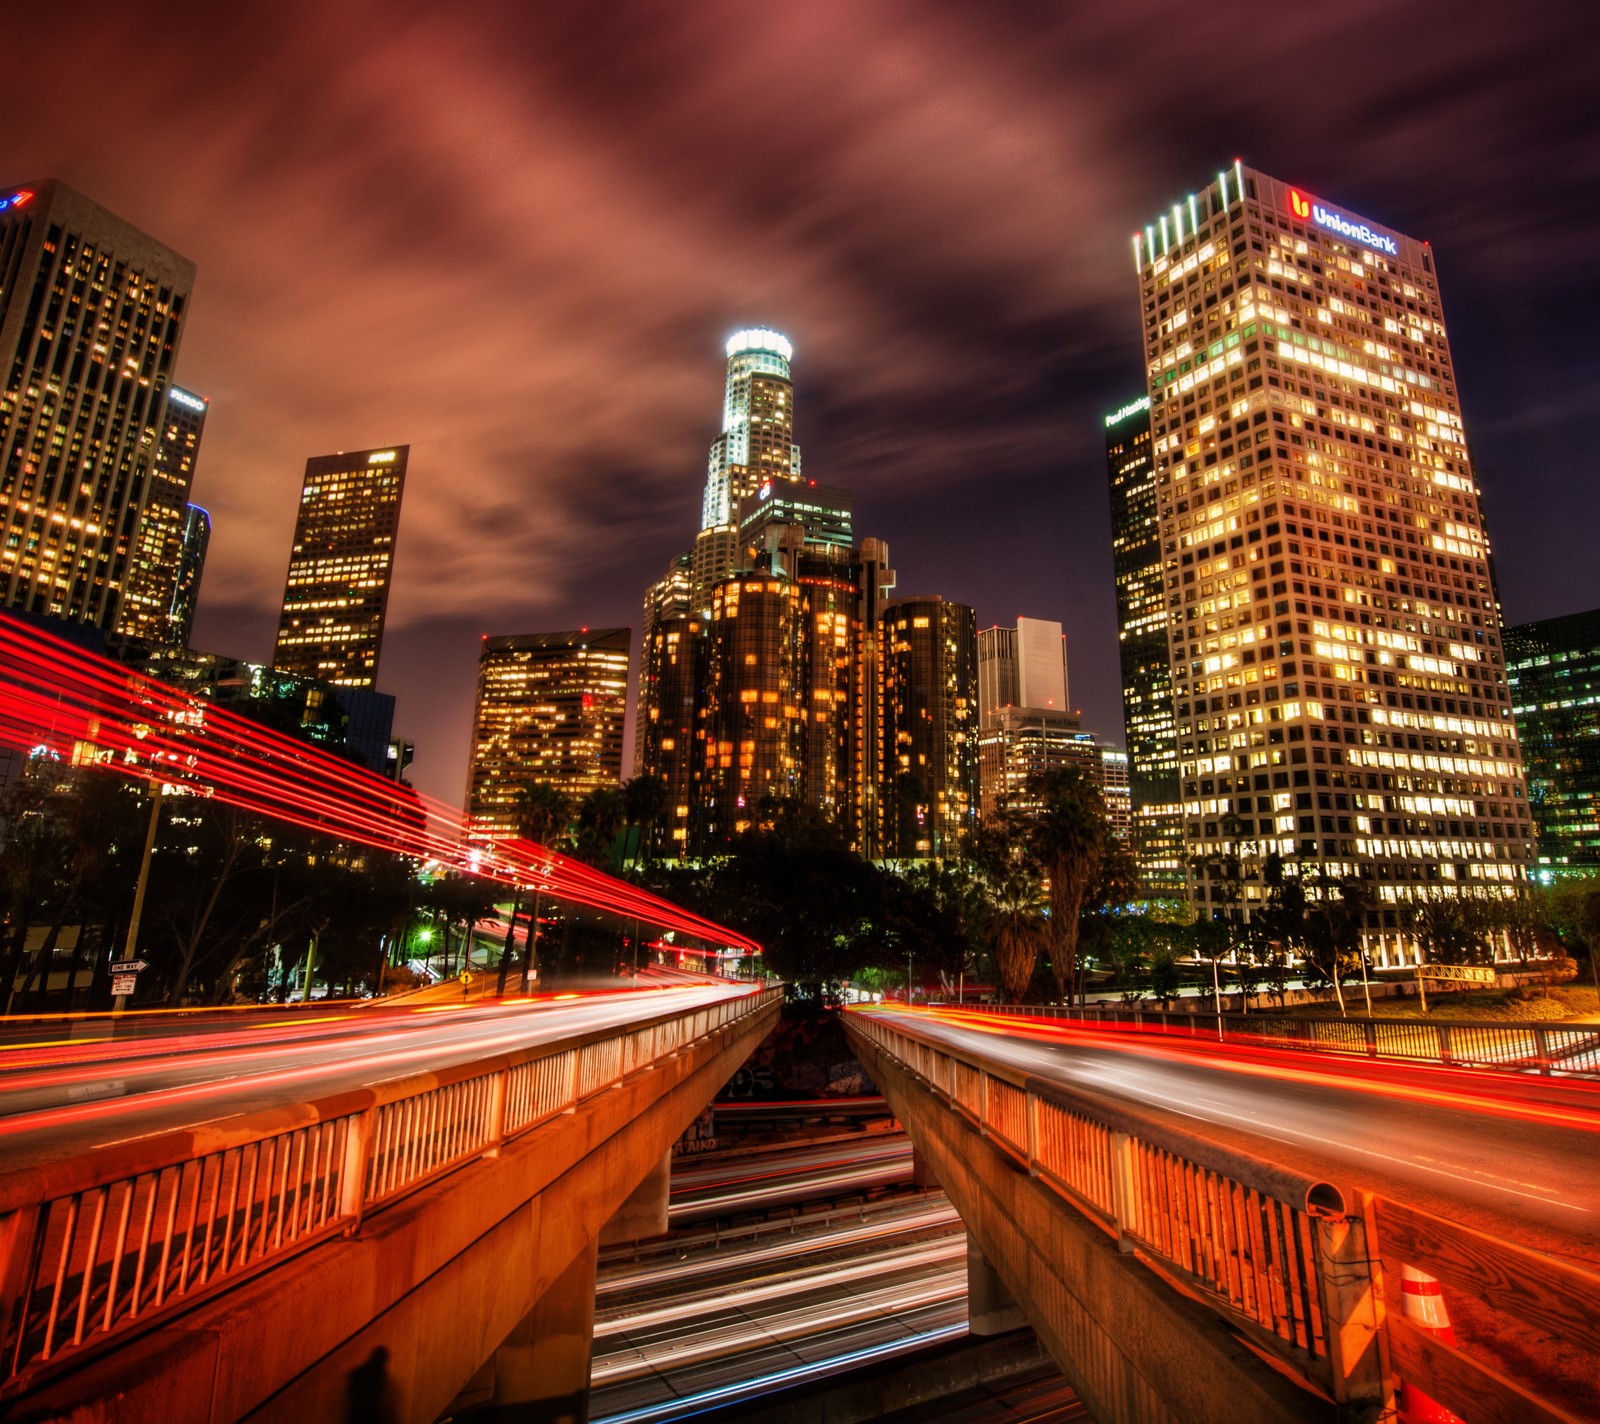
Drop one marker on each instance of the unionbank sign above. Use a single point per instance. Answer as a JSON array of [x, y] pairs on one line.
[[1304, 207]]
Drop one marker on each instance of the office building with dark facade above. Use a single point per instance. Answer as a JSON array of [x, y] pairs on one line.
[[192, 549], [351, 721], [1339, 684], [337, 589], [92, 312], [1156, 809], [550, 711], [1554, 670], [154, 608]]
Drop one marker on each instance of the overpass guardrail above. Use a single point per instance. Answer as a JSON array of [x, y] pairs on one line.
[[1294, 1263], [1549, 1048], [107, 1243]]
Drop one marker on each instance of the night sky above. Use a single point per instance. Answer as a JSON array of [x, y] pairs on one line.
[[516, 236]]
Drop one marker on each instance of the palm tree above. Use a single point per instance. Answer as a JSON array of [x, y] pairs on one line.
[[644, 802], [1015, 927], [1067, 837], [600, 820]]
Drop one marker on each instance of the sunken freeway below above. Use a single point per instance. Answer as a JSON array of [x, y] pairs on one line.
[[62, 1096], [1502, 1152]]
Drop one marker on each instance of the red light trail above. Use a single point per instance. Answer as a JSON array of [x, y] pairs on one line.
[[89, 710]]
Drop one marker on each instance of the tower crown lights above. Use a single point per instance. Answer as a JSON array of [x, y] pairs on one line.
[[760, 338]]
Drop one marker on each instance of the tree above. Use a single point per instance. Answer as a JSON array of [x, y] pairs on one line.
[[932, 916], [599, 821], [644, 803], [1066, 837], [1016, 927], [1451, 927], [816, 907], [542, 813]]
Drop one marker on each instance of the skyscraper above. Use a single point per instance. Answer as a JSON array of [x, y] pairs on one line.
[[1156, 806], [1025, 666], [668, 737], [191, 567], [91, 314], [550, 710], [755, 449], [929, 653], [1025, 725], [753, 726], [1554, 669], [759, 666], [1339, 682], [337, 591], [148, 603]]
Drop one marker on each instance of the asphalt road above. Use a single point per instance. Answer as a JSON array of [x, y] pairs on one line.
[[62, 1096], [1509, 1154]]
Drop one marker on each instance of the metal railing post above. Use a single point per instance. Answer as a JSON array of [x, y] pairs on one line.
[[1442, 1033], [1541, 1047]]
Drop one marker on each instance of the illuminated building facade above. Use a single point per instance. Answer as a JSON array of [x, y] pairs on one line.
[[337, 590], [668, 740], [550, 711], [759, 666], [928, 649], [1147, 716], [150, 609], [1338, 678], [1025, 724], [91, 314], [1554, 670], [1117, 791], [755, 449], [753, 730]]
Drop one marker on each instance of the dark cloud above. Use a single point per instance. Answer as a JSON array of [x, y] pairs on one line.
[[514, 236]]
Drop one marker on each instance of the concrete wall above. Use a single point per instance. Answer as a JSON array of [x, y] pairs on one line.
[[1135, 1349], [439, 1280]]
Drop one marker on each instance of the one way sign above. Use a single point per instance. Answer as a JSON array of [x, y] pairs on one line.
[[130, 966]]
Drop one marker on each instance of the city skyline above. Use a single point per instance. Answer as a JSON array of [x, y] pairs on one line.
[[977, 372]]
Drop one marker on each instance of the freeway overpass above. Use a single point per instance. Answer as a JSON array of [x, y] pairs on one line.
[[1218, 1231], [250, 1223]]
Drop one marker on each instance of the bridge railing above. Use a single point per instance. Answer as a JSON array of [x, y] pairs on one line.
[[106, 1243], [1289, 1260], [1273, 1250], [1571, 1049]]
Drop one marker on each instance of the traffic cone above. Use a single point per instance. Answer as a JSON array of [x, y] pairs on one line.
[[1422, 1303]]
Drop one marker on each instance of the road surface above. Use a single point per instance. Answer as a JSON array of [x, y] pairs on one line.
[[62, 1096], [1507, 1153]]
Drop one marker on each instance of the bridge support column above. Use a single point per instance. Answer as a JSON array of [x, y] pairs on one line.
[[990, 1308], [644, 1214], [541, 1372]]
